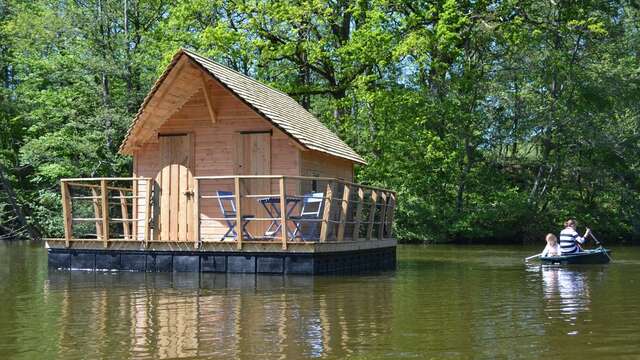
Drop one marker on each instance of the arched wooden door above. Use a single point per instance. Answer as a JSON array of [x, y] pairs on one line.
[[174, 189]]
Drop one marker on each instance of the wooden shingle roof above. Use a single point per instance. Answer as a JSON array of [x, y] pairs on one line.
[[273, 105]]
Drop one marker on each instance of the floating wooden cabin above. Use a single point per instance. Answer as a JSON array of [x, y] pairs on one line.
[[229, 175]]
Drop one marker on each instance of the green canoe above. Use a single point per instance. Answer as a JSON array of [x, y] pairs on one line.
[[595, 256]]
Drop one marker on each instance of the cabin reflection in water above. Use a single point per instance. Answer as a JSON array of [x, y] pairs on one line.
[[184, 315]]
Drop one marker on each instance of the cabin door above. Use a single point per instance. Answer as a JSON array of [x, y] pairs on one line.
[[252, 156], [174, 189]]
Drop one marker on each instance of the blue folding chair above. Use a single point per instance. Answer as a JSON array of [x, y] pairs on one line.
[[310, 215], [227, 203]]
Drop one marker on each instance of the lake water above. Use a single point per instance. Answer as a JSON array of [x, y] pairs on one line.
[[442, 302]]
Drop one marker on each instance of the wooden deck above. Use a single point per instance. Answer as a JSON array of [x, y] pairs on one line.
[[129, 214]]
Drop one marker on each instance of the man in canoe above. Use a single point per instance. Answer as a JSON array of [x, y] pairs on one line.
[[570, 240]]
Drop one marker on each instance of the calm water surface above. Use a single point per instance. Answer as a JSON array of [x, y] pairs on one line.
[[442, 302]]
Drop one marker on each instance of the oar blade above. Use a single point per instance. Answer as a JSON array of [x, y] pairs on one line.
[[532, 257]]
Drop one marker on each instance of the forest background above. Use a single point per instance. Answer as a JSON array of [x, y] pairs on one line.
[[493, 120]]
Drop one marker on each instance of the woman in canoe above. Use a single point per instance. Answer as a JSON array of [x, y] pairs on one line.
[[570, 240]]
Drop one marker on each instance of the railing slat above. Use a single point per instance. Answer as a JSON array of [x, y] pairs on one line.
[[105, 178], [147, 214], [105, 212], [134, 209], [99, 219], [372, 213], [390, 214], [346, 194], [124, 210], [196, 213], [96, 186], [383, 213], [283, 213], [239, 232], [358, 220], [293, 177], [324, 230], [66, 212], [96, 212]]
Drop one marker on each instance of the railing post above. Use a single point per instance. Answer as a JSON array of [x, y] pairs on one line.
[[96, 213], [126, 224], [239, 232], [134, 209], [196, 213], [358, 220], [390, 213], [283, 213], [327, 212], [346, 194], [66, 212], [383, 214], [147, 213], [372, 213], [105, 212]]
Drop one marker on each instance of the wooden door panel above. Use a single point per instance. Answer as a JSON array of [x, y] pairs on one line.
[[252, 156], [176, 180], [183, 199], [164, 190]]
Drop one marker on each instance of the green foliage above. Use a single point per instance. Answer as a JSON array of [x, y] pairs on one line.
[[492, 120]]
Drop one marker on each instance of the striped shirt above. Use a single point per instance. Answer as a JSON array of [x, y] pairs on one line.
[[569, 239]]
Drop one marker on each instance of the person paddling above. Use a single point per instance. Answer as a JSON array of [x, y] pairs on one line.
[[570, 240]]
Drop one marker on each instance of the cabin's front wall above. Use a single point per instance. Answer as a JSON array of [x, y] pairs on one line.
[[214, 149], [214, 142], [218, 148]]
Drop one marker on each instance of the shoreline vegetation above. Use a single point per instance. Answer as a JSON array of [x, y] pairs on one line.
[[493, 121]]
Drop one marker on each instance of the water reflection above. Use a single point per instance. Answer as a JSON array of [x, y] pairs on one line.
[[442, 302], [182, 315], [567, 291]]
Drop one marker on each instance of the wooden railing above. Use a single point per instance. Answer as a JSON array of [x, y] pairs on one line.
[[272, 208], [110, 204], [349, 211]]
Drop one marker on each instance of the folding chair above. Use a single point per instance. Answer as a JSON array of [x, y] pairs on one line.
[[227, 203], [309, 214]]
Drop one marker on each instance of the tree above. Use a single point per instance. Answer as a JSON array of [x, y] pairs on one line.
[[493, 120]]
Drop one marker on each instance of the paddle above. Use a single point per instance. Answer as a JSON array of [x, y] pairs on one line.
[[600, 244], [532, 257]]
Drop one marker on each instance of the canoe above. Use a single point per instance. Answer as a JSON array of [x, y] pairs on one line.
[[594, 256]]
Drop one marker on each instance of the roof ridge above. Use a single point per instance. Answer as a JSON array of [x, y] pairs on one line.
[[192, 52]]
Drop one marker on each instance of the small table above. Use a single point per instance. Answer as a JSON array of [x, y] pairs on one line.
[[272, 206]]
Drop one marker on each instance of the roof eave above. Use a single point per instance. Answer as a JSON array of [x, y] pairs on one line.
[[125, 147]]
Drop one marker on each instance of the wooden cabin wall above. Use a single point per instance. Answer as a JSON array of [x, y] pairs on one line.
[[214, 149], [315, 163]]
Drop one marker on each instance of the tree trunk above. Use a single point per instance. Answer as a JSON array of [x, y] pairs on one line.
[[462, 182], [17, 209], [546, 151]]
